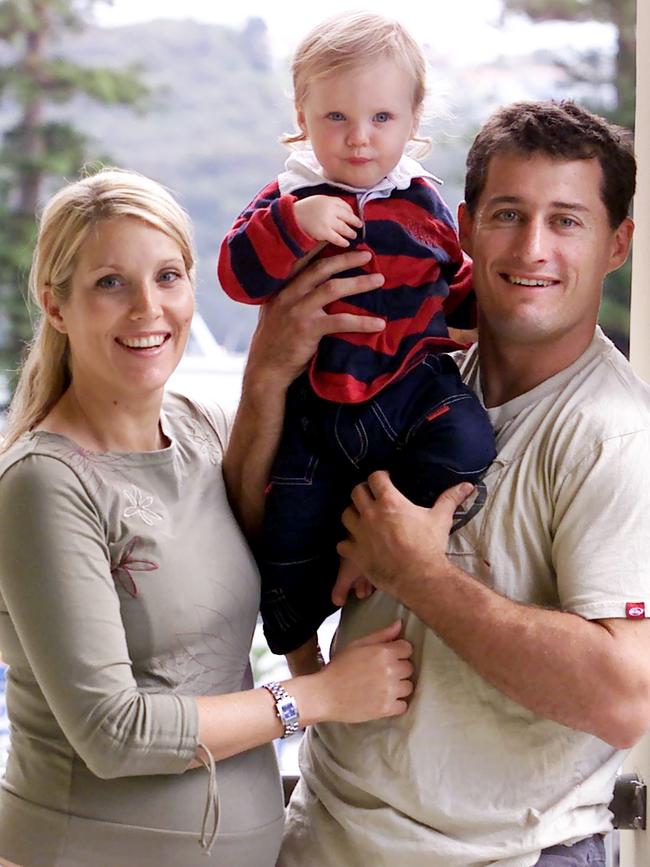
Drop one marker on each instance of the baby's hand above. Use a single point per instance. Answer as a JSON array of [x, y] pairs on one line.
[[327, 218], [349, 579]]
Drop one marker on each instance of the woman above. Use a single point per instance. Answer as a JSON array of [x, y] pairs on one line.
[[128, 596]]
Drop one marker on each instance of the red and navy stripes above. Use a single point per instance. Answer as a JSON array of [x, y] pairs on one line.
[[414, 244]]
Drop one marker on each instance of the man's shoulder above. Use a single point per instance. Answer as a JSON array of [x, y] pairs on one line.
[[609, 394]]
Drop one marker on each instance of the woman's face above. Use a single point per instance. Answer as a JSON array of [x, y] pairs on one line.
[[129, 311]]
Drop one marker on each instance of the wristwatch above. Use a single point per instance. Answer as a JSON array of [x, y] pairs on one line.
[[285, 707]]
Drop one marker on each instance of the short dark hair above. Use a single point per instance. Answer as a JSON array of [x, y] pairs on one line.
[[561, 130]]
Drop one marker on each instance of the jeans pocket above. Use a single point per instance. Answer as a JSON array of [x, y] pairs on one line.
[[351, 435], [294, 468]]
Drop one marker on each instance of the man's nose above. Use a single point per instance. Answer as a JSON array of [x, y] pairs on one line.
[[145, 303], [533, 241]]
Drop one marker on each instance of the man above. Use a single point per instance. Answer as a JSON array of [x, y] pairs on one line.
[[528, 625]]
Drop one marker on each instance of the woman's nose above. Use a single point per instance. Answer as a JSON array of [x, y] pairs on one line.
[[145, 303]]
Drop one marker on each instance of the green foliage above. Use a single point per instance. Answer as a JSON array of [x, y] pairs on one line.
[[38, 147], [621, 14]]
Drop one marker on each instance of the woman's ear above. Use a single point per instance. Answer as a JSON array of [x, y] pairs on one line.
[[52, 310]]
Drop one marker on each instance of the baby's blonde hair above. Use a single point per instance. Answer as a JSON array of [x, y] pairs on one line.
[[348, 41], [64, 226]]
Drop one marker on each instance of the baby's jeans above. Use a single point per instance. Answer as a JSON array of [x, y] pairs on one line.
[[427, 429]]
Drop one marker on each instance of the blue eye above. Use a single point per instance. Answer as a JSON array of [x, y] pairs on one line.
[[169, 276], [507, 216], [382, 117], [335, 115], [110, 281]]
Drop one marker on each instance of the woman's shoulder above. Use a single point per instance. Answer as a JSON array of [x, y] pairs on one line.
[[207, 418], [34, 469]]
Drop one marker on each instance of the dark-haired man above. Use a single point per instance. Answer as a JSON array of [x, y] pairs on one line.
[[528, 626]]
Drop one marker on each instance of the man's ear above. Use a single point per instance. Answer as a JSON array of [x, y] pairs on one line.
[[621, 242], [52, 310], [465, 227]]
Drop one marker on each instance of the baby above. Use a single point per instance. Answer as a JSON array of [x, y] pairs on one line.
[[389, 400]]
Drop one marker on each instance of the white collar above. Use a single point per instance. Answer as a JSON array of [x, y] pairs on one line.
[[302, 169]]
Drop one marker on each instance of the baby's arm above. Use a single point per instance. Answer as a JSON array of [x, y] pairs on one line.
[[272, 236], [327, 218], [263, 247]]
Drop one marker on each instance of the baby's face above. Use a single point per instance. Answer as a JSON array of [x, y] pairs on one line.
[[359, 121]]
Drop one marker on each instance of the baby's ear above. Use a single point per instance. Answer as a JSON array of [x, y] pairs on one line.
[[417, 117], [300, 119]]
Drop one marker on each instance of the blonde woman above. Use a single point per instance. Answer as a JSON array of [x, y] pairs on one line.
[[128, 596]]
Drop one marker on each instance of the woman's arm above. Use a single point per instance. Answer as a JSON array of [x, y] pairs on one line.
[[369, 679], [58, 591], [287, 336], [62, 604]]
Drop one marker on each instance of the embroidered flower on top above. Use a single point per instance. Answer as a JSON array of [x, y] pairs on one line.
[[202, 438], [121, 571], [140, 506]]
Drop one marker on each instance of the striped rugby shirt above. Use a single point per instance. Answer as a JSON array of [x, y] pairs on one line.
[[414, 243]]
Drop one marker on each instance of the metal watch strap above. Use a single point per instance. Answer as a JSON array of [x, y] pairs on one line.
[[285, 707]]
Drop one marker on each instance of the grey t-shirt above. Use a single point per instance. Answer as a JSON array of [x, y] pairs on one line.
[[126, 588]]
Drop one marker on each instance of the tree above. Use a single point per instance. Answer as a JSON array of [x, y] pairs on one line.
[[589, 68], [38, 147]]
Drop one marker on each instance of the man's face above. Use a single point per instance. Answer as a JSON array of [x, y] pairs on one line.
[[542, 245]]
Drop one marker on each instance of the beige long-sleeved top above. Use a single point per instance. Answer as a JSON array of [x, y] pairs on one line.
[[126, 589]]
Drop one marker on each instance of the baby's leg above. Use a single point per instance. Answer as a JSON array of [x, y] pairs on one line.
[[308, 491], [448, 438]]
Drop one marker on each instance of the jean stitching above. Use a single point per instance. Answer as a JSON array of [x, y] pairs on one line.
[[380, 415], [449, 401], [305, 479], [353, 461], [363, 436]]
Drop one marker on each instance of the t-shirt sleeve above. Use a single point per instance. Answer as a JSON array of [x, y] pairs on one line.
[[59, 594], [601, 534], [219, 419]]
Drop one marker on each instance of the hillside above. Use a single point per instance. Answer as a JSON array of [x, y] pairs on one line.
[[210, 131]]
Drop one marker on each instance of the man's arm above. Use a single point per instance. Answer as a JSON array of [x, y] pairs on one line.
[[588, 675], [287, 336]]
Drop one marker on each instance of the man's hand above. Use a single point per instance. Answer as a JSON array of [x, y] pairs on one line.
[[291, 324], [394, 542], [327, 218], [287, 335]]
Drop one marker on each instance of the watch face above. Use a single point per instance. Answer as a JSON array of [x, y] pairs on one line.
[[288, 711]]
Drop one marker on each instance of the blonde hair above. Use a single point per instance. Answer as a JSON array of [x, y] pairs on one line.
[[347, 41], [64, 225]]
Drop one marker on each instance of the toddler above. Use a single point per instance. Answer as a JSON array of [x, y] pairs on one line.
[[390, 400]]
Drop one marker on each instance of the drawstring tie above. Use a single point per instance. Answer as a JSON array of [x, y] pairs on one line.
[[206, 841]]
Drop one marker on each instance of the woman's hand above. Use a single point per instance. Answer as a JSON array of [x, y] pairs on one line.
[[369, 679]]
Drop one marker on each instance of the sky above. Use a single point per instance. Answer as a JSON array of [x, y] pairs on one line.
[[436, 22]]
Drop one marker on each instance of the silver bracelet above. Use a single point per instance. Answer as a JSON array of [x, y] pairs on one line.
[[285, 707]]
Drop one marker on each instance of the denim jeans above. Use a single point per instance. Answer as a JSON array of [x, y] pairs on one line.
[[584, 853], [427, 429]]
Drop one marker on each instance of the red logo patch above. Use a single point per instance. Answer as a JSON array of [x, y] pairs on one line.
[[438, 412], [635, 610]]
